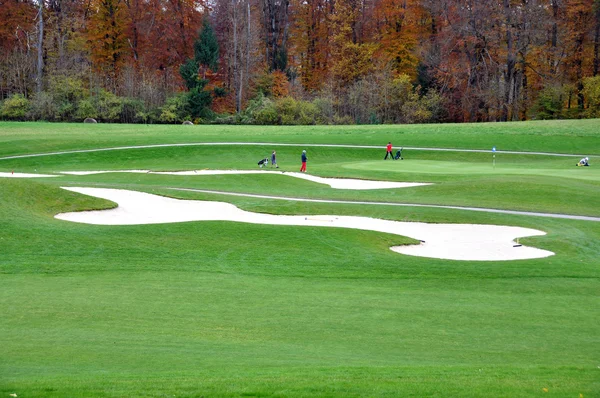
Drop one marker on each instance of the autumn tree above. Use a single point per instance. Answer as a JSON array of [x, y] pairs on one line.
[[276, 30], [596, 64], [16, 34], [106, 33], [399, 33], [350, 60], [580, 17], [310, 42], [239, 29]]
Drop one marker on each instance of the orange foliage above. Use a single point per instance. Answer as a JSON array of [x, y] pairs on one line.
[[281, 86], [106, 36], [16, 18], [399, 33]]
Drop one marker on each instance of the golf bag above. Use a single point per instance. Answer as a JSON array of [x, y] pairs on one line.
[[398, 155], [263, 162]]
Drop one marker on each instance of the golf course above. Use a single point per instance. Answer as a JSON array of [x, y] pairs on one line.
[[308, 303]]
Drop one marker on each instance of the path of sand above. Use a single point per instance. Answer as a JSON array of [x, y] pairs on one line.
[[25, 175], [336, 183], [444, 241]]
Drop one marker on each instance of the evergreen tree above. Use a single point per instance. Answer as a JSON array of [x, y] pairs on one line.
[[199, 100], [206, 47], [189, 73]]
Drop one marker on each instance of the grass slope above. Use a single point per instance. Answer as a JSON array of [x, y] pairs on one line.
[[230, 309], [564, 136], [517, 182]]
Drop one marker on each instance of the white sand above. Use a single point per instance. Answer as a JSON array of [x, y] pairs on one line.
[[445, 241], [25, 175], [337, 183]]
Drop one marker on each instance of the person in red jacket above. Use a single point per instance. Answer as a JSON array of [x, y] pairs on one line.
[[389, 151]]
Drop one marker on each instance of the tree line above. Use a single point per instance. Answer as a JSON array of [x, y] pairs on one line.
[[299, 61]]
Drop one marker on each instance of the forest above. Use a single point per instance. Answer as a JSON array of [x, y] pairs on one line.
[[299, 61]]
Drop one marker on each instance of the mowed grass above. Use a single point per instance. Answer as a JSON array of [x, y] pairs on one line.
[[563, 136], [230, 309], [516, 182]]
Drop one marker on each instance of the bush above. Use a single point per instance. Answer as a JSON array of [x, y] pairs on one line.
[[343, 120], [43, 107], [229, 119], [292, 112], [436, 104], [591, 91], [104, 106], [109, 106], [549, 104], [66, 93], [260, 110], [324, 110], [15, 107], [175, 109], [132, 111], [86, 109], [266, 116]]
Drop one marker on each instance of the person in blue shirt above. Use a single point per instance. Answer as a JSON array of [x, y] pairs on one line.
[[304, 158]]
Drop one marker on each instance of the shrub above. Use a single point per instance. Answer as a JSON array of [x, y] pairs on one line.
[[324, 110], [229, 119], [132, 111], [292, 112], [266, 116], [175, 109], [109, 106], [549, 104], [343, 120], [591, 91], [66, 93], [260, 110], [15, 107], [103, 105], [86, 109], [43, 107]]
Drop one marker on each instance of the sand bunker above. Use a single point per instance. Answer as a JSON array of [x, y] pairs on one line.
[[25, 175], [445, 241], [336, 183]]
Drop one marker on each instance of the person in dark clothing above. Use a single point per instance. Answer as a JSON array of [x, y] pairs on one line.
[[389, 151], [274, 161], [304, 158], [398, 155]]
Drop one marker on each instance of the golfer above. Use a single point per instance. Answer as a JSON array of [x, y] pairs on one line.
[[274, 161], [304, 158], [389, 151]]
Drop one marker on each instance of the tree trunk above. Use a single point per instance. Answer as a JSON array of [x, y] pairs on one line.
[[579, 69], [236, 82], [40, 48], [509, 74], [596, 68], [554, 38]]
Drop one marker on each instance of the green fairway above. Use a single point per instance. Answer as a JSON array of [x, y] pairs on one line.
[[227, 309], [562, 136], [551, 169]]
